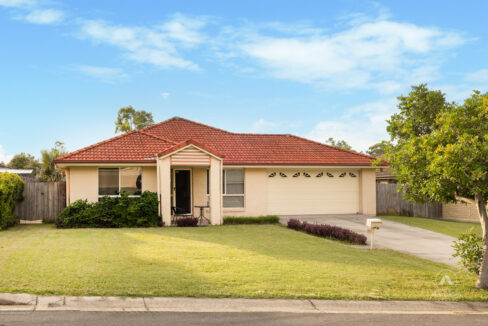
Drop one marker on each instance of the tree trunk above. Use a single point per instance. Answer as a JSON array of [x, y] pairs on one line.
[[482, 282]]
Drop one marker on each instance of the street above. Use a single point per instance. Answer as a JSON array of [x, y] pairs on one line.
[[232, 318]]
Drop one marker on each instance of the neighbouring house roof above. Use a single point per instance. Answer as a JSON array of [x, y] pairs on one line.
[[234, 148], [385, 173], [16, 171]]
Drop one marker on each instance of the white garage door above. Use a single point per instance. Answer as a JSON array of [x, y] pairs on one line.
[[313, 191]]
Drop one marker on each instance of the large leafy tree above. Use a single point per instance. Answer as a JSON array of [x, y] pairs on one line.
[[378, 149], [48, 168], [129, 119], [24, 161], [338, 143], [439, 151]]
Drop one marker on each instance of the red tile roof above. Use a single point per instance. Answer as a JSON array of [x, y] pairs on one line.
[[235, 148]]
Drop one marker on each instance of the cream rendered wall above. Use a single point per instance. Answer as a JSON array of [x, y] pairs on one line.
[[149, 179], [255, 194], [83, 183], [367, 191]]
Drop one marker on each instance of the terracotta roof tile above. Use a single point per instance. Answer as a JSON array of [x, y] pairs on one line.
[[236, 148], [134, 146]]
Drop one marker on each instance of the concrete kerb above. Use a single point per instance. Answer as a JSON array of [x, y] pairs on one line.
[[26, 302]]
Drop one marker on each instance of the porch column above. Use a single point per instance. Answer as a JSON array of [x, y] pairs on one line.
[[164, 189], [215, 176]]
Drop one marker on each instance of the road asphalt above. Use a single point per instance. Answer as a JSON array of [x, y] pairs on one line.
[[79, 318]]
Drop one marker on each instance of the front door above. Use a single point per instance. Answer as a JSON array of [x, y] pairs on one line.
[[183, 191]]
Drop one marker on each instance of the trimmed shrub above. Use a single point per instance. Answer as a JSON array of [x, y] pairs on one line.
[[187, 221], [11, 188], [112, 212], [252, 220], [469, 248], [328, 231]]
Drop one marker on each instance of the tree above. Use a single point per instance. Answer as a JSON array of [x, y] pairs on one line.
[[24, 161], [338, 143], [48, 168], [440, 153], [129, 119], [378, 149]]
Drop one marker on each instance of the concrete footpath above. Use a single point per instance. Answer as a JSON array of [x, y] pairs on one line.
[[27, 302]]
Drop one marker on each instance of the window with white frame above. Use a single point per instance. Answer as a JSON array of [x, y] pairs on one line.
[[233, 188], [113, 181]]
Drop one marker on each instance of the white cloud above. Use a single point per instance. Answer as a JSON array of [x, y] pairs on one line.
[[267, 126], [44, 16], [105, 74], [480, 76], [361, 126], [16, 3], [159, 45], [375, 54], [165, 95], [4, 157]]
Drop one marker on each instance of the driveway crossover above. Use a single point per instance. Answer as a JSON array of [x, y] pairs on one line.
[[392, 235]]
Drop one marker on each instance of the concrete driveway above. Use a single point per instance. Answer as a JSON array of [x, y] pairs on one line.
[[400, 237]]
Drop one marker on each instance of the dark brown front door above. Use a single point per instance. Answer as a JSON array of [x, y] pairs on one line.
[[183, 191]]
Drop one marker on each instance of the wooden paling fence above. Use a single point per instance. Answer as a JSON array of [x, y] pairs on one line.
[[42, 201], [391, 202]]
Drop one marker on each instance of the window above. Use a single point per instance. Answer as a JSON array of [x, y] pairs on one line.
[[306, 175], [352, 175], [296, 175], [320, 175], [342, 175], [233, 188], [282, 175], [272, 175], [208, 182], [330, 175], [112, 181]]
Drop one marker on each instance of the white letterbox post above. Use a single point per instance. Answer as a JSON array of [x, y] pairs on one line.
[[371, 225]]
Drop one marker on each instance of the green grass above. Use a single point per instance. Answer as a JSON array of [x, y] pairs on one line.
[[255, 261], [452, 228]]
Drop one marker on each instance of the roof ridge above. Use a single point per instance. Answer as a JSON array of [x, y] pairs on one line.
[[187, 120], [334, 147], [108, 141], [157, 137]]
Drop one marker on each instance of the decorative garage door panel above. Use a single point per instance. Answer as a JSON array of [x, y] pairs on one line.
[[313, 191], [190, 156]]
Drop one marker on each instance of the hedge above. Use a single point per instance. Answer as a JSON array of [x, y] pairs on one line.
[[112, 212], [11, 188], [328, 231], [252, 220]]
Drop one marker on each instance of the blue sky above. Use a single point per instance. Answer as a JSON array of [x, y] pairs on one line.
[[318, 69]]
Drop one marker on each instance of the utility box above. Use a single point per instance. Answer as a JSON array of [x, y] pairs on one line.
[[373, 223]]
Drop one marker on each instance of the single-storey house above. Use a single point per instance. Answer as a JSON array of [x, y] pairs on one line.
[[190, 164]]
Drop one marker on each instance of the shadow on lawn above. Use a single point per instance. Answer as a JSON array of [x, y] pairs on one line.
[[282, 243]]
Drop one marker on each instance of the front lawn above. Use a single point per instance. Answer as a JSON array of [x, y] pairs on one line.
[[452, 228], [255, 261]]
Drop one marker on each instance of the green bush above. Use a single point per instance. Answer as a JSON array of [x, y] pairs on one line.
[[469, 248], [11, 188], [112, 212], [252, 220]]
